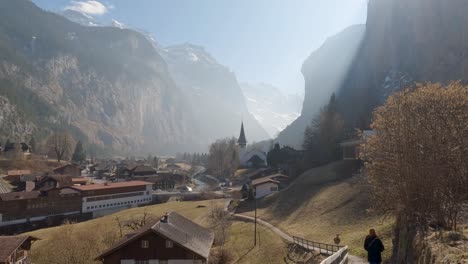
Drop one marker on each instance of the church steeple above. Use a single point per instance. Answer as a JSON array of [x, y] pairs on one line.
[[242, 142]]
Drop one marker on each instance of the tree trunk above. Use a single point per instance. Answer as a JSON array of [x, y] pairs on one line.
[[404, 240]]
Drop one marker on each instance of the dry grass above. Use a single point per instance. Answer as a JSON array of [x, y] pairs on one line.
[[324, 202], [36, 166], [104, 231], [270, 248], [445, 250]]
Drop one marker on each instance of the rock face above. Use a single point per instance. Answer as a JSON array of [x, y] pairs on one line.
[[404, 42], [213, 94], [106, 85], [324, 72], [273, 109]]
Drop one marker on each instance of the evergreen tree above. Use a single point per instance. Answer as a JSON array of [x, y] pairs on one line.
[[33, 144], [274, 156], [79, 154], [321, 138]]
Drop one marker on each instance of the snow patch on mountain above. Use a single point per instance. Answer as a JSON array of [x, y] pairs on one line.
[[273, 109]]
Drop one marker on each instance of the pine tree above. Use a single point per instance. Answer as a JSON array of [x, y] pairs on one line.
[[79, 155], [321, 138], [32, 143]]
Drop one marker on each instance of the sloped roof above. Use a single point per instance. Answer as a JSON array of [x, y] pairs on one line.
[[19, 195], [8, 244], [256, 159], [65, 165], [63, 180], [18, 172], [262, 181], [144, 168], [110, 185], [269, 178], [177, 228]]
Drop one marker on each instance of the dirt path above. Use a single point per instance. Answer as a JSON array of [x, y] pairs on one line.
[[351, 259]]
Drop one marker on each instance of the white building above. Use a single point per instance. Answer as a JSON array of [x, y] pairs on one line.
[[264, 186], [249, 158], [107, 198]]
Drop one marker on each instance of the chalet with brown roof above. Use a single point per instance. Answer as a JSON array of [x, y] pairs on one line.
[[68, 169], [269, 184], [15, 176], [171, 239], [48, 182], [143, 170], [14, 249]]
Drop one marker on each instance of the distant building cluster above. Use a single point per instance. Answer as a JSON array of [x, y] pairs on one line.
[[81, 192]]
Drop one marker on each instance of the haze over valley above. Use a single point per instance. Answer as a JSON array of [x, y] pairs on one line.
[[233, 132]]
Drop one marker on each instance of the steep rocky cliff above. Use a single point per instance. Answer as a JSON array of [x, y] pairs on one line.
[[324, 72], [107, 85], [404, 42], [213, 93]]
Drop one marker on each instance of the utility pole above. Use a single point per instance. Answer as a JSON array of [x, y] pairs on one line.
[[255, 220]]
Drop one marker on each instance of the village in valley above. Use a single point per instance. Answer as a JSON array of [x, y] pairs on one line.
[[40, 193], [122, 142]]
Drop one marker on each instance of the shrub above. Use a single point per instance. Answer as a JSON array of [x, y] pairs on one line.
[[454, 236]]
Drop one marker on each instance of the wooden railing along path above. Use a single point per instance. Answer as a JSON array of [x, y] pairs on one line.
[[338, 254]]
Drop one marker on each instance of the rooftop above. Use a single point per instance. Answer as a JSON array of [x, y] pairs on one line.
[[114, 185], [8, 244], [65, 165], [19, 195], [269, 178], [18, 172], [179, 229]]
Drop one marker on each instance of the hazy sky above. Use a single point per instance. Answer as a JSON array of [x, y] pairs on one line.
[[260, 40]]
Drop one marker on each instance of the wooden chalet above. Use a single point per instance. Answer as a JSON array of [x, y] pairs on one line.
[[269, 184], [171, 239], [14, 249], [15, 176], [68, 169], [143, 170]]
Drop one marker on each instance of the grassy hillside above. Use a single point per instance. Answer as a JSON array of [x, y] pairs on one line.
[[81, 242], [323, 202], [36, 166]]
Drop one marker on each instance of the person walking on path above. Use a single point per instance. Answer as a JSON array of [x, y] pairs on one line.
[[374, 247]]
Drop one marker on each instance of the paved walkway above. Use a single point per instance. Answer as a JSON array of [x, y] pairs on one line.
[[351, 259]]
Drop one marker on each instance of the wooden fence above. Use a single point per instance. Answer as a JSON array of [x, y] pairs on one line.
[[338, 254], [339, 257]]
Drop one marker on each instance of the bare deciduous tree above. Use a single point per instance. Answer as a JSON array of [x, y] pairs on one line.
[[219, 221], [223, 159], [135, 222], [60, 143], [416, 163]]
